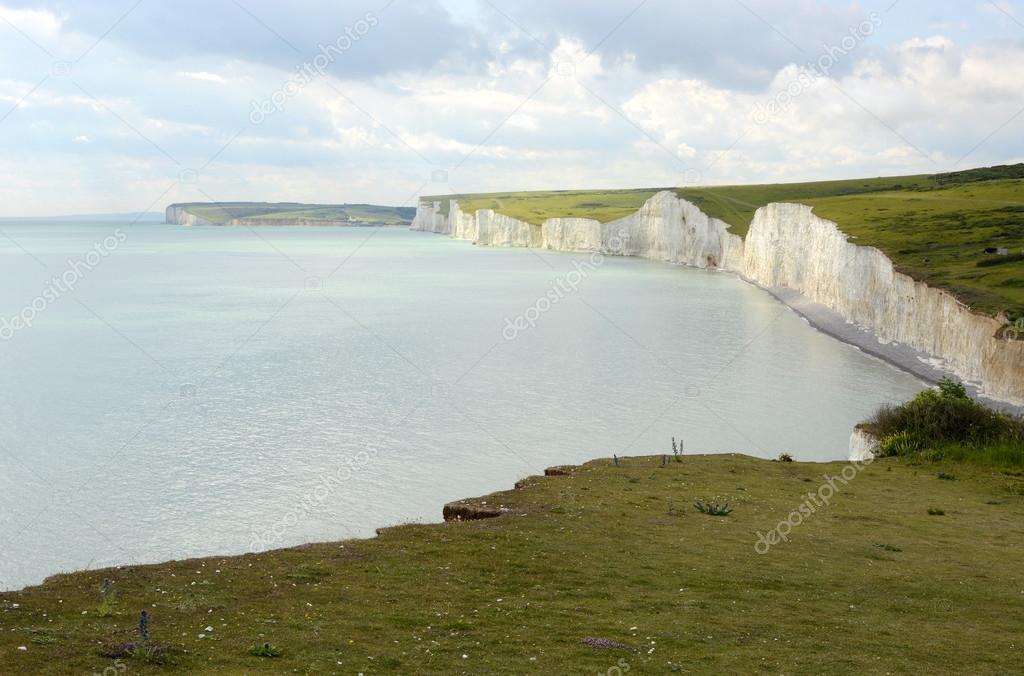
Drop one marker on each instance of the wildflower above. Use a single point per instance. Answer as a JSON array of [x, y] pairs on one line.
[[144, 625], [605, 643]]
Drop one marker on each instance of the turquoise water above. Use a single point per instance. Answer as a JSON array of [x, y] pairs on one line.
[[213, 390]]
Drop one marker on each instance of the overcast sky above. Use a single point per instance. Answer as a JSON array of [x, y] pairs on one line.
[[128, 105]]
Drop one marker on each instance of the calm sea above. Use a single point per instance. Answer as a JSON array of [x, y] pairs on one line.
[[173, 392]]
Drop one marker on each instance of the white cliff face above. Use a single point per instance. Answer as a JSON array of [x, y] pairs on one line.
[[787, 246], [665, 228], [176, 215], [430, 219], [862, 446], [499, 230], [574, 234]]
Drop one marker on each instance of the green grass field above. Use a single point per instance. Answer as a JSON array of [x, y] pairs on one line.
[[222, 212], [934, 228], [871, 583], [536, 207]]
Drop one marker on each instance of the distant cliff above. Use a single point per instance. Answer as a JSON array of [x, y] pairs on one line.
[[286, 213], [177, 214]]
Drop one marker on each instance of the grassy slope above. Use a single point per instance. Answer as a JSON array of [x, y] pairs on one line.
[[870, 585], [536, 207], [948, 219], [365, 213]]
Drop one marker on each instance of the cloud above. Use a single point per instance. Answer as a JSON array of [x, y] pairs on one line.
[[530, 95], [203, 76], [266, 31], [732, 44], [31, 24], [921, 109]]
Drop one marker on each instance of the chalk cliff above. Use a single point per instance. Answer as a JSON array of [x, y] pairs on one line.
[[863, 446], [787, 247], [176, 215]]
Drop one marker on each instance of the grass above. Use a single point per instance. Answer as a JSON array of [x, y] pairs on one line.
[[935, 228], [536, 207], [580, 566], [221, 212]]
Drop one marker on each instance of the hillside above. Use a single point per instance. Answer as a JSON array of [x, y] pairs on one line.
[[935, 228], [910, 568], [288, 213]]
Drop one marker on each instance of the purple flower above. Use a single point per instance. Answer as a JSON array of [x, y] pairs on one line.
[[144, 625], [606, 643]]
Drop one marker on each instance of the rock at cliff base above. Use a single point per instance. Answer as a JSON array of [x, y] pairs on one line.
[[461, 512]]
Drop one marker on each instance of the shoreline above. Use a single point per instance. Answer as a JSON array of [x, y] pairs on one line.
[[831, 323], [825, 320], [452, 507], [787, 247], [850, 297], [921, 365]]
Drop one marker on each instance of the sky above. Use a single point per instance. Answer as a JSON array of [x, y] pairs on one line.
[[130, 105]]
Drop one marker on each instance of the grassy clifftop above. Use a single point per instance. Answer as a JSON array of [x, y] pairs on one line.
[[604, 566], [288, 212], [935, 228]]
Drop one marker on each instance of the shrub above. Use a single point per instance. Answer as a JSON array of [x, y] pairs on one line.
[[953, 389], [898, 443], [265, 650], [945, 423], [677, 450], [712, 508], [1000, 260]]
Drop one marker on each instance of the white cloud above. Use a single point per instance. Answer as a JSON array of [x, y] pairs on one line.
[[916, 111], [202, 76], [38, 24]]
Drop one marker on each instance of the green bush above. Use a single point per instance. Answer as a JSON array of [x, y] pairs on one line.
[[953, 389], [946, 424]]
